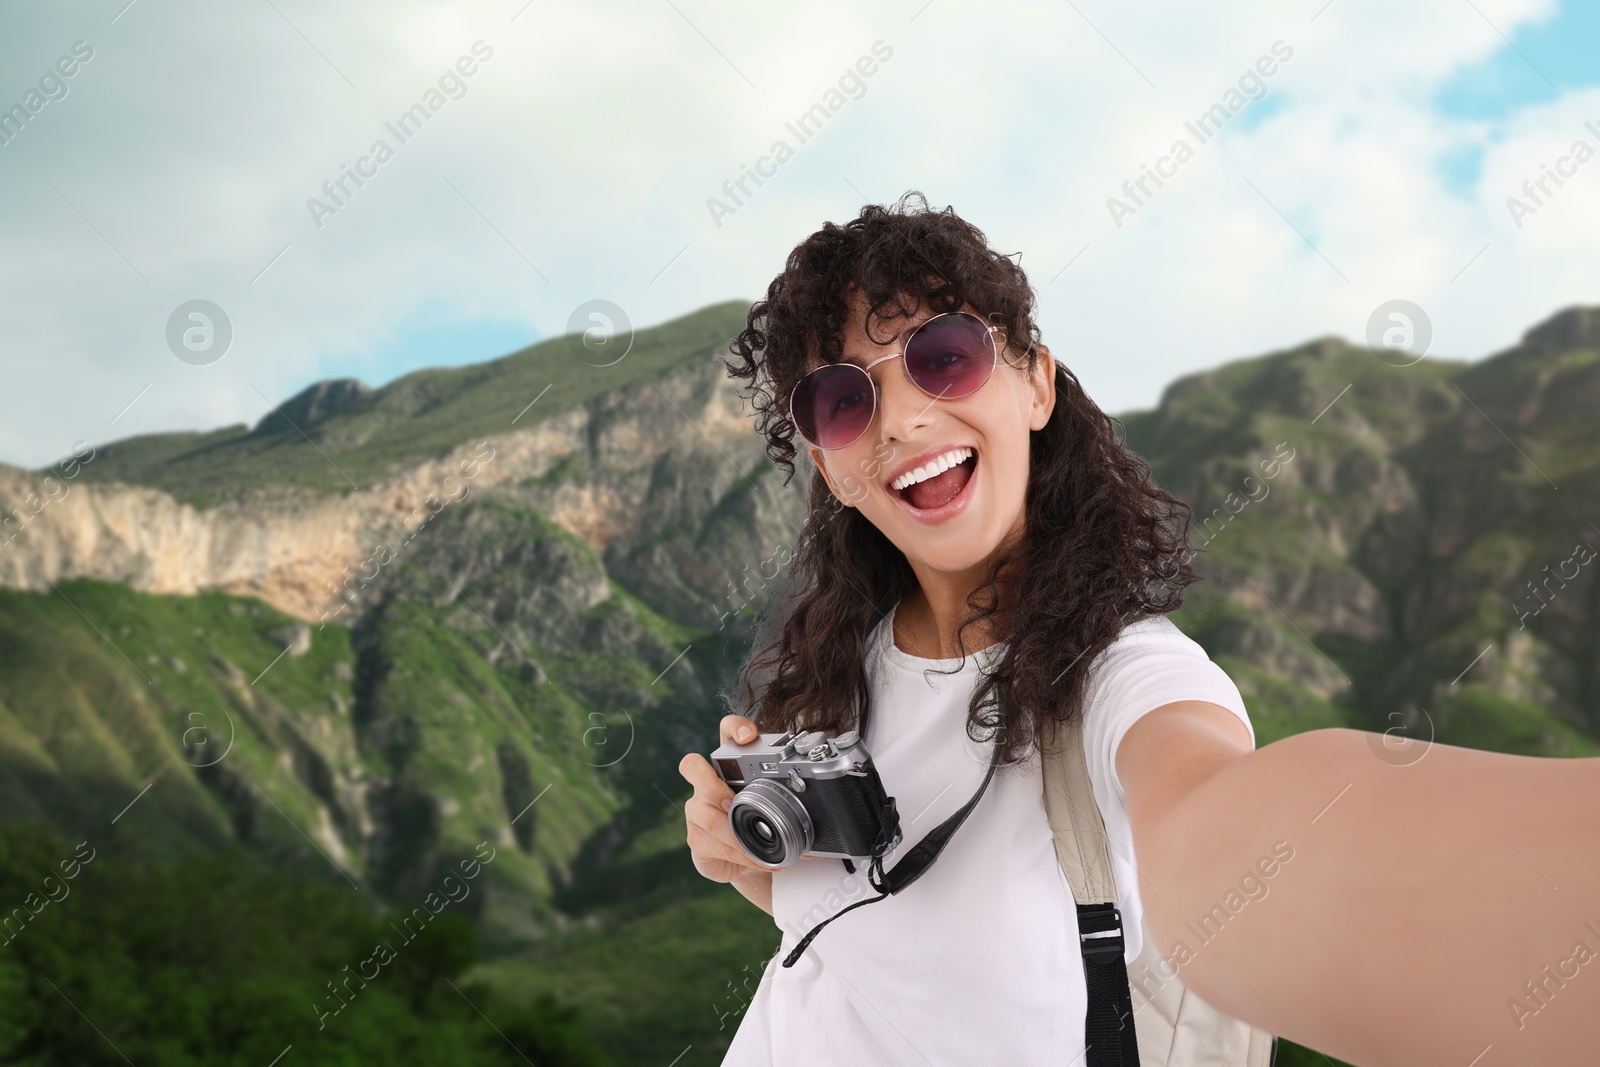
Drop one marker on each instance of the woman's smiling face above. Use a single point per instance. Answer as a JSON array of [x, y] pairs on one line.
[[911, 429]]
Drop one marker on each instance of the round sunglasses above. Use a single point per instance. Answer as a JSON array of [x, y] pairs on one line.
[[949, 356]]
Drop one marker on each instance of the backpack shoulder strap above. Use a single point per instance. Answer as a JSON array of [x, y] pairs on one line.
[[1080, 833], [1180, 1028], [1085, 855]]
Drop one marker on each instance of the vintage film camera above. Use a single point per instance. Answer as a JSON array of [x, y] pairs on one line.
[[807, 794]]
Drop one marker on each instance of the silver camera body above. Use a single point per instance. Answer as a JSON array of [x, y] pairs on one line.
[[807, 794]]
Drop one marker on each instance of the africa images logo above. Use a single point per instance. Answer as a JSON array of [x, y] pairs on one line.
[[52, 87]]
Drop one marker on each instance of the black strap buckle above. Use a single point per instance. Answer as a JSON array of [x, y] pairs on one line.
[[1100, 932]]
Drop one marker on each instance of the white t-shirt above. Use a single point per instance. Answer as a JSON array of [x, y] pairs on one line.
[[978, 960]]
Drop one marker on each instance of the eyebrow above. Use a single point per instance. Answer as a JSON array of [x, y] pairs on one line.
[[898, 339]]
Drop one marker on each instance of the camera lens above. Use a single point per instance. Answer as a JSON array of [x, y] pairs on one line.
[[770, 823]]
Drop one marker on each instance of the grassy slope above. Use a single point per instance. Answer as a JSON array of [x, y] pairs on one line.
[[445, 716], [82, 731], [99, 685]]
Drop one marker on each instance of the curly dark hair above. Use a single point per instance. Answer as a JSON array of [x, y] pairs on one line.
[[1102, 544]]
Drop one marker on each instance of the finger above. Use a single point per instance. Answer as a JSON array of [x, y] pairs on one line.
[[737, 728], [709, 845], [733, 852], [697, 771], [709, 816], [706, 781], [713, 828]]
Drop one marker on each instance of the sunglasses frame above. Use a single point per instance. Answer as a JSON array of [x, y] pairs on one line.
[[994, 351]]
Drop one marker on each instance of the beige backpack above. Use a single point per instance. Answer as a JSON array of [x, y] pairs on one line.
[[1174, 1027]]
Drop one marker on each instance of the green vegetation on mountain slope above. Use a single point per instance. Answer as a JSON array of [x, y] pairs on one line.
[[219, 958], [371, 434], [1412, 521], [382, 755]]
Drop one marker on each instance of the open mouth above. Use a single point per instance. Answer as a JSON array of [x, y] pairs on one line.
[[942, 489]]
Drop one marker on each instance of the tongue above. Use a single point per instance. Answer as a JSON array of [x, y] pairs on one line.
[[942, 488]]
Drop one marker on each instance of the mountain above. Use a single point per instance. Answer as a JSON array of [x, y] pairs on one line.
[[1419, 559], [494, 604], [403, 662]]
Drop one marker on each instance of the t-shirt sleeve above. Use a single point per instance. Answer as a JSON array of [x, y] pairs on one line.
[[1152, 663]]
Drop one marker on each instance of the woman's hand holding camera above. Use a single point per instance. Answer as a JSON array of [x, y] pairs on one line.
[[717, 854]]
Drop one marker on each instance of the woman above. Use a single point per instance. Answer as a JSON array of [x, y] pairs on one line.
[[982, 558]]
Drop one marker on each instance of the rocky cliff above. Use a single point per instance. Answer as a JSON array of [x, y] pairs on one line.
[[660, 476]]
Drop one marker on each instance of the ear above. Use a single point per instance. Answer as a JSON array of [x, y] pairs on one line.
[[816, 455], [1043, 383]]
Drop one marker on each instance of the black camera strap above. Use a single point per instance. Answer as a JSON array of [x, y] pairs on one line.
[[911, 867]]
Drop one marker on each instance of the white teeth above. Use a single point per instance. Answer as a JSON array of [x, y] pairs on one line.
[[922, 474]]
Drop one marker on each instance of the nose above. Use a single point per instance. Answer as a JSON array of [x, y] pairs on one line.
[[904, 411]]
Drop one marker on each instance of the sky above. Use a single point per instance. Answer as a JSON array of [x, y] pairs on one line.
[[564, 153]]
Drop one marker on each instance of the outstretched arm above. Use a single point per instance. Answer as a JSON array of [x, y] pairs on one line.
[[1441, 906]]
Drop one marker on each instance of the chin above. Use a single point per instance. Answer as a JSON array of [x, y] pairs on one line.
[[948, 549]]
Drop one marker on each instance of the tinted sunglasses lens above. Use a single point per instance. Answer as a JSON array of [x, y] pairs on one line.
[[833, 405], [951, 356]]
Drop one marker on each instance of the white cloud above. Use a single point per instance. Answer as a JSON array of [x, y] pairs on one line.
[[593, 137]]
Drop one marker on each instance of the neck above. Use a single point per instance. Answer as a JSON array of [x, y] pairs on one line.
[[929, 615]]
